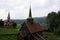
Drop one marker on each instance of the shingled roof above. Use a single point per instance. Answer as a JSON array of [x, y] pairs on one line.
[[34, 27]]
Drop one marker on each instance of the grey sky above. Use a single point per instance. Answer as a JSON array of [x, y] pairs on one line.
[[19, 9]]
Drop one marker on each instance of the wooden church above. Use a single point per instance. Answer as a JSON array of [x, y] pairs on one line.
[[8, 22], [30, 30]]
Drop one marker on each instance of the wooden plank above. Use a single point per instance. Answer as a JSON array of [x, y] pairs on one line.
[[40, 36], [35, 37]]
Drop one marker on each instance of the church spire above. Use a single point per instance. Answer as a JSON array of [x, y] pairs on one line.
[[8, 15], [30, 15], [8, 23], [30, 19]]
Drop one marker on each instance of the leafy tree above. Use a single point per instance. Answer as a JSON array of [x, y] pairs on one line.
[[14, 24], [59, 18], [51, 20]]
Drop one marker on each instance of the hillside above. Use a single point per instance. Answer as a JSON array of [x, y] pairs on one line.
[[36, 19]]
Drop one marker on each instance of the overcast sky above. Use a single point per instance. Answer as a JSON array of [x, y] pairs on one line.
[[19, 9]]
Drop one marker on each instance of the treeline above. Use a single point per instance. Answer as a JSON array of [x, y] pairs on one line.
[[14, 24], [53, 21]]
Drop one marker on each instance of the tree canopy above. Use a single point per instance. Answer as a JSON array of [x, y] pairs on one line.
[[53, 20]]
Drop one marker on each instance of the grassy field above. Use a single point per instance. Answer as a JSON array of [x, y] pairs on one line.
[[50, 36], [8, 37], [10, 30], [14, 31]]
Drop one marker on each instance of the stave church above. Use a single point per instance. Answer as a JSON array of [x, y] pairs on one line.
[[8, 22], [31, 30]]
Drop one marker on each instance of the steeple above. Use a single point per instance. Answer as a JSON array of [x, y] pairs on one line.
[[8, 15], [30, 15], [30, 19], [8, 18]]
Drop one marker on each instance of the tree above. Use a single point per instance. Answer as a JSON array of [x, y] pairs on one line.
[[59, 18], [1, 23], [51, 19], [14, 24]]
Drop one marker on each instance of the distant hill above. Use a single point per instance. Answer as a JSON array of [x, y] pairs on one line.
[[18, 21], [40, 19], [37, 19]]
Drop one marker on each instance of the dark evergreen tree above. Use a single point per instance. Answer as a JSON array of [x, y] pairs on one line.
[[1, 23]]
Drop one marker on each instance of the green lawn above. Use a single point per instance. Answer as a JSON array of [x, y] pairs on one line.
[[10, 30], [8, 37], [50, 36]]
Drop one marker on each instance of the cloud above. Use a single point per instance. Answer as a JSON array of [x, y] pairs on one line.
[[19, 9], [43, 8]]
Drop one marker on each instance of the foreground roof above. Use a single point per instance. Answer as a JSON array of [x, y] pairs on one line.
[[34, 27]]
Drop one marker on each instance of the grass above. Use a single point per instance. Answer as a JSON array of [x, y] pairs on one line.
[[10, 30], [8, 37], [50, 36], [14, 31]]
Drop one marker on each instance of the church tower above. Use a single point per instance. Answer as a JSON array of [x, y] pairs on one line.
[[30, 15], [8, 20], [30, 19]]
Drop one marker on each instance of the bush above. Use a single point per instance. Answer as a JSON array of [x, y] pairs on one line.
[[57, 31]]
